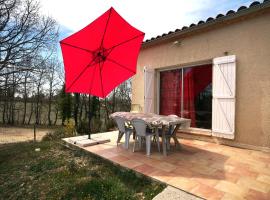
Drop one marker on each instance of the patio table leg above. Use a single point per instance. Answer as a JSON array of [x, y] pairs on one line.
[[176, 142], [157, 138], [164, 148]]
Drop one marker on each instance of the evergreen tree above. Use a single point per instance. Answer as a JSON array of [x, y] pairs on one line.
[[95, 106], [65, 105]]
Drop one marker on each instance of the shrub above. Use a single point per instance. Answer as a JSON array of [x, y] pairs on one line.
[[69, 127], [57, 134], [67, 131]]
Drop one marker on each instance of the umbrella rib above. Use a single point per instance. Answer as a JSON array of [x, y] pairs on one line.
[[120, 65], [101, 79], [90, 64], [105, 30], [89, 51], [125, 41]]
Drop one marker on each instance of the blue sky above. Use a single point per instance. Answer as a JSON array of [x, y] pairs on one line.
[[154, 17]]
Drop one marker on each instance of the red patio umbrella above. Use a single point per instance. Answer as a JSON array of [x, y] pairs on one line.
[[101, 56]]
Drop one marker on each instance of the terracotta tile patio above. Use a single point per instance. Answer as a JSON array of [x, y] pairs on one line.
[[205, 169]]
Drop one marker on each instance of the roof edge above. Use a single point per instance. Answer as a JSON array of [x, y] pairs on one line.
[[220, 18]]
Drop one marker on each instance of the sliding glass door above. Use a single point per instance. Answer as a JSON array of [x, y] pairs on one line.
[[187, 92]]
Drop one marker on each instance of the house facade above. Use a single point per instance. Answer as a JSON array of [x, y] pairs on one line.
[[216, 73]]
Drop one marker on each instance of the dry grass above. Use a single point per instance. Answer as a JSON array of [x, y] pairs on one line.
[[56, 172], [15, 134]]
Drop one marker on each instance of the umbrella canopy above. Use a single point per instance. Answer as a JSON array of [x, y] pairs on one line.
[[101, 56]]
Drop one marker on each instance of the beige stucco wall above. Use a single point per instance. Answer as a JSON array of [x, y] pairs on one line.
[[249, 40]]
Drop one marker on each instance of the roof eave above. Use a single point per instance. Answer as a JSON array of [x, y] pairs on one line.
[[225, 19]]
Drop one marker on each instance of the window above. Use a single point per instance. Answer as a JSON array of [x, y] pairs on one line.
[[187, 93]]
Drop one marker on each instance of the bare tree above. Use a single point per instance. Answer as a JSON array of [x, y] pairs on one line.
[[23, 32], [54, 81], [25, 95], [25, 36], [39, 82]]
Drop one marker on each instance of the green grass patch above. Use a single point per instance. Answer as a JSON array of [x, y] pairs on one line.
[[56, 172]]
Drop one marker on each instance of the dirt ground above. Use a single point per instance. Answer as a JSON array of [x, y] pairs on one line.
[[14, 134]]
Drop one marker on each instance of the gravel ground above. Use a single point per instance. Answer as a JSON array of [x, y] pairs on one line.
[[171, 193]]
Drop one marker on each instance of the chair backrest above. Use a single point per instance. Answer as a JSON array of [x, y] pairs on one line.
[[120, 123], [140, 126]]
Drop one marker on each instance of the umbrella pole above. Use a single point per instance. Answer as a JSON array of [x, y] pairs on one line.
[[89, 117]]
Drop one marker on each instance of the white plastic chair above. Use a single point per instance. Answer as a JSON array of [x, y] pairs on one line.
[[141, 132], [120, 122]]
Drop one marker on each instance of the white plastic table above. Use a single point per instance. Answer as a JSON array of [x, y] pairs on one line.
[[158, 121]]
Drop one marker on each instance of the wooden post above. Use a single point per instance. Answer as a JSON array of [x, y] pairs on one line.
[[34, 132]]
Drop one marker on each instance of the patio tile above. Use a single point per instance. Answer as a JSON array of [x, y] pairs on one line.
[[184, 164], [228, 196], [232, 188], [198, 142], [209, 170], [167, 167], [135, 156], [131, 164], [189, 150], [264, 160], [145, 169], [203, 162], [173, 159], [204, 170], [261, 170], [244, 171], [183, 183], [258, 154], [157, 156], [264, 178], [183, 171], [206, 181], [232, 177], [119, 159], [149, 161], [228, 176], [254, 184], [252, 162], [254, 194], [108, 155], [235, 163], [207, 192], [214, 148], [162, 175], [222, 166], [93, 148]]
